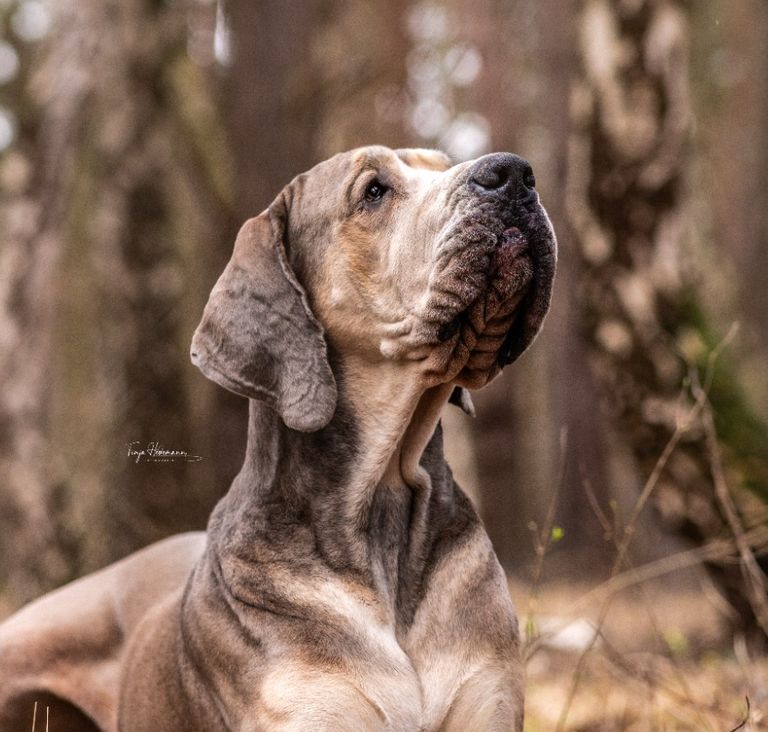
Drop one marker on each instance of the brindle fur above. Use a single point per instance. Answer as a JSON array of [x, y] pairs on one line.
[[345, 581]]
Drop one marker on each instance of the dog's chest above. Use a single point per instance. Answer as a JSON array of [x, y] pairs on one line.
[[378, 686], [353, 673]]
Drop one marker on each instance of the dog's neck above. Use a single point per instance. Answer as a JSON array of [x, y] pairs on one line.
[[396, 417], [356, 492]]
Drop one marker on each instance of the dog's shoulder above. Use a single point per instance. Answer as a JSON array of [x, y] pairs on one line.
[[73, 637]]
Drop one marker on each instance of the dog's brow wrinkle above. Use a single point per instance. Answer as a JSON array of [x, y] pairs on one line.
[[362, 165]]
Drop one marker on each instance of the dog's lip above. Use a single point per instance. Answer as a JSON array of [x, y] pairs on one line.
[[513, 246], [511, 249], [521, 265], [528, 243], [542, 248], [513, 241]]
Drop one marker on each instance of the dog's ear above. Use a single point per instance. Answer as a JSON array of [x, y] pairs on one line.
[[258, 336], [460, 397]]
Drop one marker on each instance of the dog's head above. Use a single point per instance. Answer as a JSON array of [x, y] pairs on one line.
[[388, 255]]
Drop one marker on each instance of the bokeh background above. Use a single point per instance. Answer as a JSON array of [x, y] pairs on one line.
[[621, 466]]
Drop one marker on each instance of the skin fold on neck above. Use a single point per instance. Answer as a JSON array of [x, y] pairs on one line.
[[354, 493], [397, 417]]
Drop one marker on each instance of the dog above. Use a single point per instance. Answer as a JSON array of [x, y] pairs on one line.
[[345, 582]]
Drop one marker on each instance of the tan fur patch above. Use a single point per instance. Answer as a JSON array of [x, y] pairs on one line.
[[361, 248], [425, 159]]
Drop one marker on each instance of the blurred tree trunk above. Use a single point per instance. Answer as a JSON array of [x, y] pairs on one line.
[[307, 80], [104, 249], [271, 106], [584, 451], [643, 321], [119, 235], [742, 155], [730, 70], [528, 58], [31, 251]]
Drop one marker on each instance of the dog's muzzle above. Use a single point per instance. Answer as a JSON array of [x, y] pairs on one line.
[[504, 273], [510, 179]]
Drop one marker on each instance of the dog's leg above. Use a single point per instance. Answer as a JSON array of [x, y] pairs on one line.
[[484, 703]]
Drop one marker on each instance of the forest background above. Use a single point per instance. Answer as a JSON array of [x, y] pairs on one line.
[[621, 467]]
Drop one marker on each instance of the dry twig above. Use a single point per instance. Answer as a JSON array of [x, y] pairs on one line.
[[700, 410]]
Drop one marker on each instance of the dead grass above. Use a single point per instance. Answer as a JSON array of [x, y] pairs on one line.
[[653, 667], [629, 655], [647, 693], [47, 718]]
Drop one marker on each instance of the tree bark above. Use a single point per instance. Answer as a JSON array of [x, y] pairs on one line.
[[528, 52], [136, 195], [643, 323], [102, 245], [729, 70], [38, 548], [308, 80]]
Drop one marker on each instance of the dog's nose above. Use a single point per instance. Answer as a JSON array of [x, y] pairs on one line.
[[502, 174]]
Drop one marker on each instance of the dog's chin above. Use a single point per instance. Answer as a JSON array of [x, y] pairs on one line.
[[476, 342], [471, 341]]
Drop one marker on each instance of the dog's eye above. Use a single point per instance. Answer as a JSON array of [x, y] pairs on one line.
[[375, 191]]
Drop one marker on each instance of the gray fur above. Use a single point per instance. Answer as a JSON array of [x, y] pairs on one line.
[[345, 582], [258, 336]]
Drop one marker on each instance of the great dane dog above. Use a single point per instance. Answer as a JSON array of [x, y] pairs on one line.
[[345, 581]]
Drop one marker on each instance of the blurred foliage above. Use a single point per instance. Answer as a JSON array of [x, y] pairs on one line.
[[740, 427]]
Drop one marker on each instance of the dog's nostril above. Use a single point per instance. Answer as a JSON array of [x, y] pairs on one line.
[[529, 179], [502, 174], [491, 177]]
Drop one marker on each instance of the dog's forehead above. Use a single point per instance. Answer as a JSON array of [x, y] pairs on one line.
[[412, 164], [325, 193]]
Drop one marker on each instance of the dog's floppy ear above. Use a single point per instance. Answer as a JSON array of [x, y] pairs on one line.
[[258, 336]]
